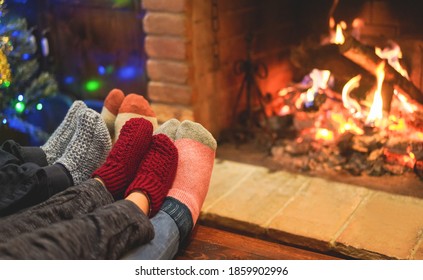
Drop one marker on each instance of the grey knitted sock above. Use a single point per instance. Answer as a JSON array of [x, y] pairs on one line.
[[88, 147], [59, 140], [168, 128]]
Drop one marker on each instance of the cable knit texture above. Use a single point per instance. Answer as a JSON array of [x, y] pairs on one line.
[[156, 172], [196, 150], [59, 140], [125, 157], [88, 147]]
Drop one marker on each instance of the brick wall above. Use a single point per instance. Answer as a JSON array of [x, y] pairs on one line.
[[192, 46]]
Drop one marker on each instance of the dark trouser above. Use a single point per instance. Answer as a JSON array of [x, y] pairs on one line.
[[25, 178], [82, 222]]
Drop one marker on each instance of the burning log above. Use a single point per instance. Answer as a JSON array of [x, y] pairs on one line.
[[328, 57], [366, 57]]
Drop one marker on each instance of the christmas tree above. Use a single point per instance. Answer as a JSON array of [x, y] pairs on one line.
[[22, 84]]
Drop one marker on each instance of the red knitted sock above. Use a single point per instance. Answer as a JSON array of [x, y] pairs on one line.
[[156, 172], [123, 160]]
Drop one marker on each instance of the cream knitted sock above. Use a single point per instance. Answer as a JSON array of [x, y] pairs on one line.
[[168, 128], [111, 108], [134, 106]]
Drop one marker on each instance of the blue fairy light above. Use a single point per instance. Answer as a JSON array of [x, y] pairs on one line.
[[127, 72], [69, 80], [101, 70], [4, 121], [20, 97], [26, 56]]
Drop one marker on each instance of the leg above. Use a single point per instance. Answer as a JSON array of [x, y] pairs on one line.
[[181, 208], [71, 203], [22, 186], [164, 245], [106, 233], [12, 152]]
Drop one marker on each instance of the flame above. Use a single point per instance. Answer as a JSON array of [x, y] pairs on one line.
[[397, 124], [393, 54], [375, 116], [351, 104], [345, 125], [324, 134], [408, 107], [337, 36], [320, 80]]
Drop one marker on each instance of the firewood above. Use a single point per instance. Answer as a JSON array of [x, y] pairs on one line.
[[366, 57], [328, 57]]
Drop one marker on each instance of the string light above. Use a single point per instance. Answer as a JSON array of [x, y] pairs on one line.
[[39, 106], [92, 85], [19, 107]]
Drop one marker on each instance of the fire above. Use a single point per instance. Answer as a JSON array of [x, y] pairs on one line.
[[324, 134], [350, 104], [375, 116], [410, 159], [344, 125], [408, 107], [393, 54], [338, 37], [397, 124], [320, 80]]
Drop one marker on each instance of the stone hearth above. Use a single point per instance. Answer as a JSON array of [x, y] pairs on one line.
[[312, 212]]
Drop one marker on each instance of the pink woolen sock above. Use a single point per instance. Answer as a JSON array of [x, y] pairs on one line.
[[196, 153]]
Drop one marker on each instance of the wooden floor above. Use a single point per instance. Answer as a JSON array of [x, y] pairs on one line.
[[214, 244]]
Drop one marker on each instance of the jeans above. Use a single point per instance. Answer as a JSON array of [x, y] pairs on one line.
[[165, 244]]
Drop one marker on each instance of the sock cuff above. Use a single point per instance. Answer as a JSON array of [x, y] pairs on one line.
[[58, 178], [181, 215], [35, 155]]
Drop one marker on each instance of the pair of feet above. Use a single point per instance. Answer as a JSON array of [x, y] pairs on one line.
[[118, 109], [80, 143], [176, 160]]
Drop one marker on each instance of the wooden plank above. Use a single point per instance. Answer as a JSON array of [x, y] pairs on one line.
[[214, 244]]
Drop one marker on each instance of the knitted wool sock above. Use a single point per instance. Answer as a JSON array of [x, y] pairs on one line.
[[134, 106], [59, 140], [111, 108], [196, 149], [168, 128], [125, 157], [156, 172], [88, 147]]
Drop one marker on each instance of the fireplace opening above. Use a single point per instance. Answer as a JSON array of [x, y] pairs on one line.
[[344, 99]]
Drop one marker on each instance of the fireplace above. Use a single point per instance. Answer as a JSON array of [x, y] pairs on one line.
[[195, 47]]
